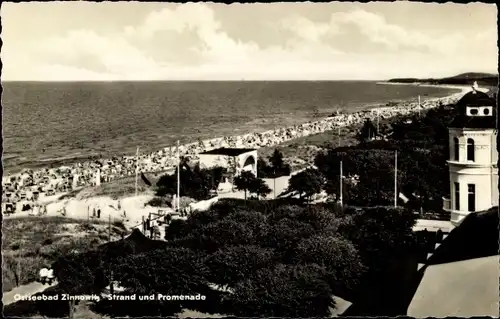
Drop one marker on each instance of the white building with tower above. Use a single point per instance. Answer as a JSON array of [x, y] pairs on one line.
[[473, 156]]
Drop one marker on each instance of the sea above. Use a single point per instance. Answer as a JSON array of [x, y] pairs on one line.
[[58, 123]]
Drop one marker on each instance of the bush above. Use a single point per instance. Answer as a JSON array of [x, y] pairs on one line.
[[20, 270], [86, 227], [119, 224], [160, 201]]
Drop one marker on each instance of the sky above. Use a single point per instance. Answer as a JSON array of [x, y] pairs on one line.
[[133, 41]]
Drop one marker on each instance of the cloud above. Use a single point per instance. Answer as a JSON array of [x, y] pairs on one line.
[[377, 30], [306, 29], [189, 42], [112, 53]]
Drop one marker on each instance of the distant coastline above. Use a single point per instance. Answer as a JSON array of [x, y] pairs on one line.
[[426, 84], [483, 79]]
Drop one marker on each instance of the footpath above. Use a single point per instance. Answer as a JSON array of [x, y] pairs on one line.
[[24, 291]]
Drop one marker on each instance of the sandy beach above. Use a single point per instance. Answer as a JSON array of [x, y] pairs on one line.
[[463, 88], [131, 209]]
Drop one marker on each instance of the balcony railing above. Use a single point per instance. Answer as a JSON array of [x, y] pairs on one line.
[[446, 204]]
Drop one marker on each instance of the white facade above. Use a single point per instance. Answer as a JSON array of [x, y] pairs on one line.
[[243, 162], [474, 171]]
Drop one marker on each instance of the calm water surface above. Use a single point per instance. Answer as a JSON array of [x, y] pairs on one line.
[[55, 123]]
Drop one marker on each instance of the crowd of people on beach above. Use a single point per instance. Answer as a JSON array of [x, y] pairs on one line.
[[30, 186]]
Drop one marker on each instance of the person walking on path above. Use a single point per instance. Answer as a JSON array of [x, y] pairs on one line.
[[151, 229]]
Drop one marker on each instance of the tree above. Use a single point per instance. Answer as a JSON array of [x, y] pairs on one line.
[[321, 218], [231, 264], [79, 274], [259, 187], [255, 222], [367, 132], [282, 291], [215, 235], [276, 160], [278, 166], [177, 228], [339, 257], [305, 183], [263, 168], [380, 233], [283, 235], [167, 271], [245, 182]]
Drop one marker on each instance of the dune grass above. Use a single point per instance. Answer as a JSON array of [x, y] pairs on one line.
[[300, 152], [30, 243]]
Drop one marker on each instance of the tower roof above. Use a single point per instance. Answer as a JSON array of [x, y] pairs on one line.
[[475, 99]]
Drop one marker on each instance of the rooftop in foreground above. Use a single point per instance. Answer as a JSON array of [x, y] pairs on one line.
[[228, 151], [464, 288]]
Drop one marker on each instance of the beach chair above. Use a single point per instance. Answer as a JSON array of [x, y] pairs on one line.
[[33, 212], [50, 276], [42, 275], [62, 211]]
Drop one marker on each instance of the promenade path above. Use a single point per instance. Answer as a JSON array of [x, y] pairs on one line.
[[24, 291]]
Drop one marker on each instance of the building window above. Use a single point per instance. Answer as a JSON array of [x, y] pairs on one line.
[[471, 192], [455, 148], [457, 196], [470, 149]]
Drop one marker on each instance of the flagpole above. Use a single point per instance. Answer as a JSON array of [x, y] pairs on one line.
[[419, 106], [274, 186], [341, 192], [136, 169], [178, 177], [378, 118], [396, 179]]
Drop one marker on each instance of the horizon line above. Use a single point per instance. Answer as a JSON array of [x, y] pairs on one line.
[[254, 80], [191, 80]]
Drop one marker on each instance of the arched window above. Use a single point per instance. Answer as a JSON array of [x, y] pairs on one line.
[[470, 149], [455, 148]]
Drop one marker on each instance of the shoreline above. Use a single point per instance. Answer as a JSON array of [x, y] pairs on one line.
[[85, 173], [462, 88], [68, 155], [443, 86]]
